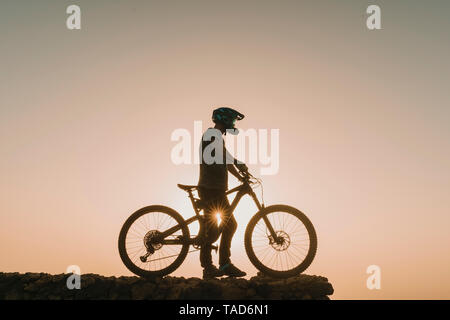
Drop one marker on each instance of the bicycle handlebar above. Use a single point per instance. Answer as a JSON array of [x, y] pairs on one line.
[[246, 176]]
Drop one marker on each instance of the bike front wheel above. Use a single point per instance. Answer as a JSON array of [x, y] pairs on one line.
[[145, 256], [292, 249]]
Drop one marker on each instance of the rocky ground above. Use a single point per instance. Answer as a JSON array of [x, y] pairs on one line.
[[46, 286]]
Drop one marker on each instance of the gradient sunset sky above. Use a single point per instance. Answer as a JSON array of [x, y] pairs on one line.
[[86, 118]]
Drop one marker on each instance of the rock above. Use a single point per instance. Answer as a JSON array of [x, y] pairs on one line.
[[143, 291], [16, 286]]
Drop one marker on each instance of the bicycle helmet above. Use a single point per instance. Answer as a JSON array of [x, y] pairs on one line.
[[228, 117]]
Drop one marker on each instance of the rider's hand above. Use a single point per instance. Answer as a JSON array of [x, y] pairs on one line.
[[242, 178], [242, 167]]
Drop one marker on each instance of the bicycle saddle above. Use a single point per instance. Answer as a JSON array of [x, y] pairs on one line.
[[186, 187]]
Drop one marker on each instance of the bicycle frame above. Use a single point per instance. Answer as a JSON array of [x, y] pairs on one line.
[[241, 190]]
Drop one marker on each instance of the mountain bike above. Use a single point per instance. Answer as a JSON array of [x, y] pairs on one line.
[[280, 240]]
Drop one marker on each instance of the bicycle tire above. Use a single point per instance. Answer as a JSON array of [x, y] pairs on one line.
[[312, 238], [122, 242]]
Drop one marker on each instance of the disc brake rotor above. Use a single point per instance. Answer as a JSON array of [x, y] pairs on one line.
[[282, 241]]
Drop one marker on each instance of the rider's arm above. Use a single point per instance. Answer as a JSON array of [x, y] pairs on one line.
[[233, 163], [234, 171], [232, 160]]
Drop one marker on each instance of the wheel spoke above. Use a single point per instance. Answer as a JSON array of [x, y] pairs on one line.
[[290, 247], [141, 231]]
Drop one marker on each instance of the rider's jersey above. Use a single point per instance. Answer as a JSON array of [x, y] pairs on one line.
[[213, 165]]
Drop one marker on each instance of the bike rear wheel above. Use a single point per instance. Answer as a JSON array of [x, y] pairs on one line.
[[293, 249], [135, 242]]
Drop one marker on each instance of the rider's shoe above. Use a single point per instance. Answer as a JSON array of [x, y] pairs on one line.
[[212, 271], [231, 270]]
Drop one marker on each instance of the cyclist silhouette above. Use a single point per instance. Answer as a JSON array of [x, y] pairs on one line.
[[155, 240], [213, 182]]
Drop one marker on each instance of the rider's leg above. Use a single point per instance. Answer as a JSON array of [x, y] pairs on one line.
[[212, 233], [229, 226], [211, 226], [218, 202]]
